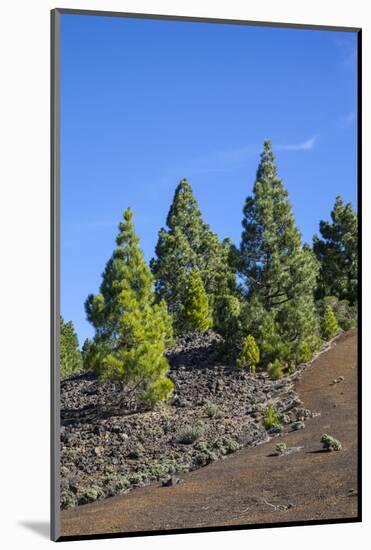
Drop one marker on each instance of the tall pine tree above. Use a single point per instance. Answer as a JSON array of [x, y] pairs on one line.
[[187, 244], [279, 273], [337, 252], [131, 331]]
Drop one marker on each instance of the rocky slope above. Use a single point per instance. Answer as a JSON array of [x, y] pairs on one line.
[[215, 410]]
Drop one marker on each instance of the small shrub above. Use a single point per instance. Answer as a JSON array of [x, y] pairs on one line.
[[218, 444], [302, 414], [136, 452], [226, 445], [275, 369], [345, 313], [200, 459], [329, 443], [71, 452], [88, 494], [299, 425], [68, 499], [281, 448], [329, 324], [136, 478], [166, 423], [201, 446], [204, 458], [189, 434], [271, 417], [304, 353], [249, 356], [158, 469], [212, 410], [116, 486], [230, 445]]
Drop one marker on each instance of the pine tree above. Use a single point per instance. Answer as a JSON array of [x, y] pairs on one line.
[[86, 352], [275, 369], [329, 324], [227, 317], [195, 314], [279, 273], [249, 355], [346, 314], [337, 252], [131, 331], [187, 244], [70, 356], [304, 353]]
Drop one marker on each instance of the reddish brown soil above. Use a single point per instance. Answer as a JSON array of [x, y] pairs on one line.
[[252, 486]]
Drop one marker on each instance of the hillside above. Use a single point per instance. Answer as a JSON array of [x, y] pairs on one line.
[[253, 485]]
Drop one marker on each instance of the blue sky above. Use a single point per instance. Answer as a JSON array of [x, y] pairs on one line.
[[146, 103]]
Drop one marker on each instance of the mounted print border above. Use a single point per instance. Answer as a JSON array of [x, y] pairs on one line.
[[56, 533]]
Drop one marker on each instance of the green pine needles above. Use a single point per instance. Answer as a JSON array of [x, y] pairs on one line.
[[271, 417], [259, 297], [337, 252], [188, 244], [329, 324], [275, 369], [279, 273], [70, 356], [131, 330], [194, 312], [249, 355]]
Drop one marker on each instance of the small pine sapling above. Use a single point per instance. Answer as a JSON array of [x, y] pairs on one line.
[[329, 324], [195, 309], [249, 356], [275, 369], [271, 417], [304, 353]]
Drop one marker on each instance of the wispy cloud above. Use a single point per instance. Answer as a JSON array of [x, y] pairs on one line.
[[220, 161], [302, 146], [240, 155]]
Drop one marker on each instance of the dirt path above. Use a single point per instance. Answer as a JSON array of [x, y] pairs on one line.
[[252, 486]]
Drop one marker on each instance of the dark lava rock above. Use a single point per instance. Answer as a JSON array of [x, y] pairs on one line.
[[195, 349], [109, 447]]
